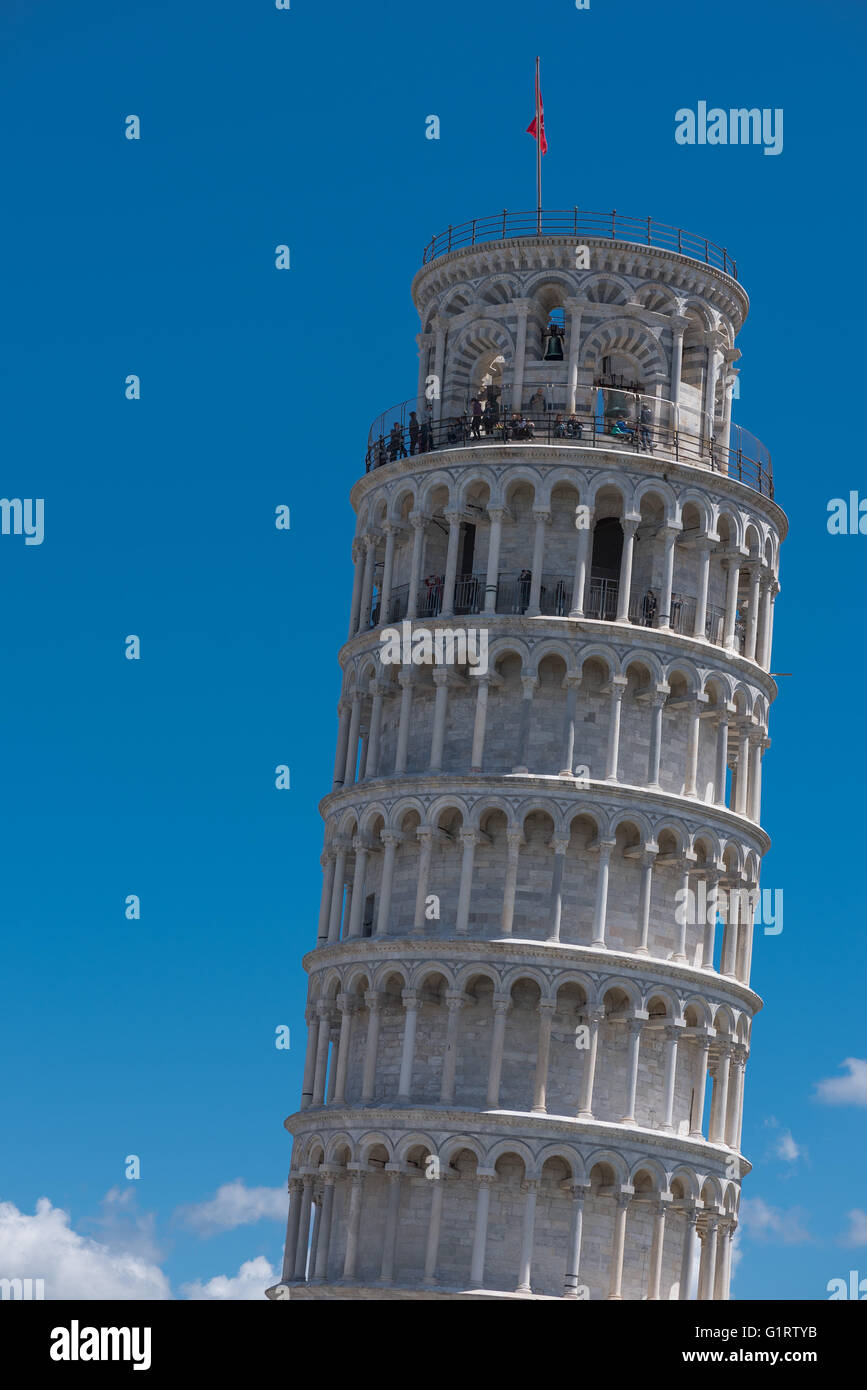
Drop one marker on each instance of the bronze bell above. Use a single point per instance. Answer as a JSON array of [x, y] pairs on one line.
[[553, 344]]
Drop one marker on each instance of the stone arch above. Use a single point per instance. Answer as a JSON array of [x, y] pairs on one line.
[[631, 338]]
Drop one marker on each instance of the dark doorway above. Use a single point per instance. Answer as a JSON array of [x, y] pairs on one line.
[[607, 548], [466, 547], [601, 601]]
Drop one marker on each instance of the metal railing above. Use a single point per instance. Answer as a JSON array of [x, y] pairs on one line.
[[555, 600], [577, 222], [745, 458]]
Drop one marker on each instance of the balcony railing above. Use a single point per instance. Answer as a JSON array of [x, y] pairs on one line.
[[555, 600], [604, 426], [578, 223]]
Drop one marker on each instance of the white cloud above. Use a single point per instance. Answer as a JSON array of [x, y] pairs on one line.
[[786, 1148], [857, 1232], [762, 1222], [845, 1090], [44, 1246], [251, 1281], [235, 1205]]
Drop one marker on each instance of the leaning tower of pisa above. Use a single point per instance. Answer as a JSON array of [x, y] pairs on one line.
[[529, 1005]]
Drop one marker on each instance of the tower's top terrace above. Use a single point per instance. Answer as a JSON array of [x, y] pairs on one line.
[[578, 223]]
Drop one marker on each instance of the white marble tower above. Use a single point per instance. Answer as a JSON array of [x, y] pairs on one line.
[[528, 1023]]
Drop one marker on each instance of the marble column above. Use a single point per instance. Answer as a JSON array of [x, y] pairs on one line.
[[688, 1254], [634, 1027], [389, 1243], [702, 1048], [320, 1269], [309, 1058], [624, 590], [358, 552], [300, 1271], [442, 680], [582, 558], [454, 520], [531, 1189], [618, 689], [362, 850], [368, 1082], [480, 1233], [296, 1187], [755, 574], [353, 1224], [722, 746], [469, 839], [621, 1203], [337, 890], [645, 893], [406, 680], [501, 1004], [391, 840], [733, 565], [497, 515], [568, 756], [555, 910], [671, 534], [410, 1021], [573, 1261], [387, 572], [529, 683], [425, 836], [327, 860], [352, 741], [543, 1055], [367, 583], [704, 552], [346, 1005], [594, 1018], [433, 1229], [670, 1033], [418, 521], [541, 519], [600, 912], [483, 685], [514, 839], [654, 1273], [454, 1003], [657, 702], [323, 1010]]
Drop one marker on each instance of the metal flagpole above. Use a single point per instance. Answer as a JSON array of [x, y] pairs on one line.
[[538, 153]]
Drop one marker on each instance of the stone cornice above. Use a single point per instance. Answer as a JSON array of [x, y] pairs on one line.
[[457, 265], [521, 785], [593, 460], [625, 636], [699, 1153], [556, 956]]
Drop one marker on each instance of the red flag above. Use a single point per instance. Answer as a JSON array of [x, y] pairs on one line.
[[531, 128]]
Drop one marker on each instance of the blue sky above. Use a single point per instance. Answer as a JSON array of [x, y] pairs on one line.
[[156, 777]]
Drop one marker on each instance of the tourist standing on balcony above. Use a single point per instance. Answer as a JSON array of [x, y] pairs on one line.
[[396, 446], [476, 423], [425, 441], [537, 402], [413, 432], [649, 608], [646, 420], [525, 580]]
